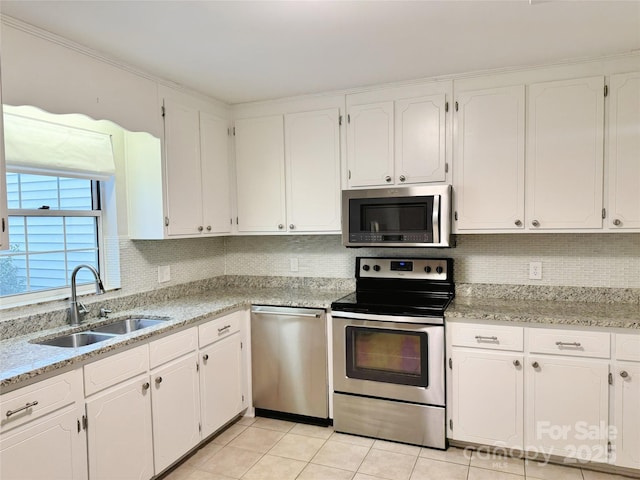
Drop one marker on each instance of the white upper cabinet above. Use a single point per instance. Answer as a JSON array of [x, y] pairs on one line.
[[184, 191], [624, 152], [312, 152], [488, 159], [260, 174], [4, 219], [565, 134], [398, 136], [370, 144], [288, 171]]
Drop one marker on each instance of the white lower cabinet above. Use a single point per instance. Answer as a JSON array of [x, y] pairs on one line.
[[41, 433], [626, 412], [488, 405], [567, 407], [175, 403], [221, 376]]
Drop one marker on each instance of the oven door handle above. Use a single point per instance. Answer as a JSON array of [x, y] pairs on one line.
[[389, 318]]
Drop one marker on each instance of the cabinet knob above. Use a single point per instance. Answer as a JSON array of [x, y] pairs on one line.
[[145, 386], [158, 380], [624, 374], [535, 223], [518, 223], [387, 179], [205, 357], [200, 228], [617, 222], [516, 363], [280, 226], [402, 178], [208, 228], [535, 365], [291, 226]]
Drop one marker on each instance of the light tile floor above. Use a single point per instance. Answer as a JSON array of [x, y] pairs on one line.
[[267, 449]]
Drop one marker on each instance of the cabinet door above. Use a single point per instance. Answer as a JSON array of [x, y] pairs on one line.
[[214, 156], [176, 410], [260, 174], [624, 148], [119, 435], [50, 448], [627, 415], [565, 154], [221, 383], [4, 219], [566, 407], [488, 172], [420, 132], [312, 151], [183, 177], [370, 144], [488, 398]]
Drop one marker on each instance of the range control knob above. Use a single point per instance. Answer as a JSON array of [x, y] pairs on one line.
[[365, 268], [427, 269], [376, 268], [439, 269]]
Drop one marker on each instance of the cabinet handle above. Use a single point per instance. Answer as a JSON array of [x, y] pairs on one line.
[[623, 374], [145, 386], [480, 338], [200, 228], [516, 363], [535, 223], [27, 405], [518, 223], [402, 178], [568, 344], [224, 329], [387, 179], [280, 226], [205, 357], [208, 228], [535, 365], [291, 226], [158, 380], [617, 222]]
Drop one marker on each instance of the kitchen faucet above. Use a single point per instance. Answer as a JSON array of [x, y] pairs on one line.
[[77, 308]]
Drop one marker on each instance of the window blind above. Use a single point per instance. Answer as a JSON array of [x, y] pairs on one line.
[[41, 147]]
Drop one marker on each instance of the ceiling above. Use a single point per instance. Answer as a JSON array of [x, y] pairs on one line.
[[239, 51]]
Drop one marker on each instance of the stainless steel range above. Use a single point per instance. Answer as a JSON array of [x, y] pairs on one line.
[[388, 348]]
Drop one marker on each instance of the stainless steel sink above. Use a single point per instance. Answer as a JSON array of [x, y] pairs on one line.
[[74, 340], [128, 325]]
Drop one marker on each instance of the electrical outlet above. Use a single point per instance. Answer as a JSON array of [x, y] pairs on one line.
[[293, 264], [164, 273], [535, 270]]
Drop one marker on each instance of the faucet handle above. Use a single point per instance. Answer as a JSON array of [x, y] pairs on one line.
[[104, 312], [82, 309]]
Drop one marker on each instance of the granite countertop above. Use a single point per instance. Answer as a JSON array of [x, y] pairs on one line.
[[585, 314], [21, 360]]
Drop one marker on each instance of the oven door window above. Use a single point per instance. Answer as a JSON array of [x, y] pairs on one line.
[[390, 356]]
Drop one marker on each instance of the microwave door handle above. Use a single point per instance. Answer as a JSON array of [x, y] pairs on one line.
[[435, 219]]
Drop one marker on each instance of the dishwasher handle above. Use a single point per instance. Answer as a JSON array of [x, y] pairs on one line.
[[289, 314], [287, 311]]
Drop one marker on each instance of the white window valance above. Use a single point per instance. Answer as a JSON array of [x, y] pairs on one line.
[[41, 147]]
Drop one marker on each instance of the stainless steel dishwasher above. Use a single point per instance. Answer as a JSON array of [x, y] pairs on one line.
[[289, 360]]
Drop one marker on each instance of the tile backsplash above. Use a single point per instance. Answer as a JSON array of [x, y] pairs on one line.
[[580, 260]]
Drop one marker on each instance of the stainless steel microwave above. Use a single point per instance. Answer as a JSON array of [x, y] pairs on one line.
[[397, 217]]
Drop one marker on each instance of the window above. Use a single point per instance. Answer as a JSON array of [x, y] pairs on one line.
[[54, 225]]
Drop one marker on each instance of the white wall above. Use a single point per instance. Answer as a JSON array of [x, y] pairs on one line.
[[584, 260]]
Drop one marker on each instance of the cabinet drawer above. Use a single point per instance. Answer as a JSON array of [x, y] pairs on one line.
[[569, 342], [167, 348], [628, 347], [493, 337], [40, 399], [115, 369], [220, 328]]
